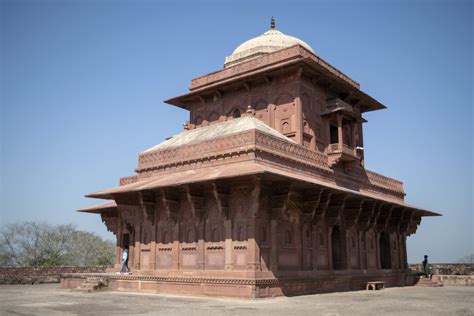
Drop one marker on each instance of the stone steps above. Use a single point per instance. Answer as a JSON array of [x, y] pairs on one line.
[[93, 285], [425, 282]]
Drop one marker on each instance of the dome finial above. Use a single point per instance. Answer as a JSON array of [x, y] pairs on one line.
[[272, 23]]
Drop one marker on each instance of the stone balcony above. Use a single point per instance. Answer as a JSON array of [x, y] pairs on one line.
[[337, 105], [341, 153]]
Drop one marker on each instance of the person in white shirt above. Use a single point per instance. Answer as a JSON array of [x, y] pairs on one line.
[[124, 261]]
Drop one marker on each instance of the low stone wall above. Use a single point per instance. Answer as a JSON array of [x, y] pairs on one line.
[[446, 268], [32, 275], [454, 280]]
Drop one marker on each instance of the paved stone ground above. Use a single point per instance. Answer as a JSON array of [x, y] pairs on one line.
[[47, 299]]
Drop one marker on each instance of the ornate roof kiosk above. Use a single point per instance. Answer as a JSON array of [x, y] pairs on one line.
[[264, 192]]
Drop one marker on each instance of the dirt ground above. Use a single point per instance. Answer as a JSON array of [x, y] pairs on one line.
[[48, 299]]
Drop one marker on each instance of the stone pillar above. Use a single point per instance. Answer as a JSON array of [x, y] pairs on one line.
[[201, 251], [175, 247], [362, 241], [377, 247], [299, 121], [368, 253], [228, 245], [131, 249], [253, 251], [405, 259], [353, 143], [329, 249], [119, 244], [153, 248], [314, 242], [137, 249], [271, 115], [339, 132], [348, 249], [274, 245], [361, 142], [401, 251], [299, 229]]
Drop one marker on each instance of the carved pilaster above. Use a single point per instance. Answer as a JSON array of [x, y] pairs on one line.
[[274, 245], [229, 253], [253, 251]]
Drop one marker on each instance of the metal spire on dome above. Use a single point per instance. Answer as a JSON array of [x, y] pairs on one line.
[[272, 23]]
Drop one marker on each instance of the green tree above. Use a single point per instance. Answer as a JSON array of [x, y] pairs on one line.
[[40, 244]]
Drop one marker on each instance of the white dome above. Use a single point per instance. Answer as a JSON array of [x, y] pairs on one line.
[[270, 41]]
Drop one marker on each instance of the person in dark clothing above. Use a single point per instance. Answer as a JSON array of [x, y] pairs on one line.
[[425, 266]]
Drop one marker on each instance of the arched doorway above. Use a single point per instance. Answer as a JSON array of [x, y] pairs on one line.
[[126, 241], [385, 256], [338, 251]]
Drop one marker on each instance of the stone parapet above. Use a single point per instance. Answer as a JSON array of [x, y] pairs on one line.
[[27, 275], [294, 52], [256, 144], [383, 181], [454, 280], [128, 180], [446, 268]]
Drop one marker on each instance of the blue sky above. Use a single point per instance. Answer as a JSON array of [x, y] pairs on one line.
[[82, 85]]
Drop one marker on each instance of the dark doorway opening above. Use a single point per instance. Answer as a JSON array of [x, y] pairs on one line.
[[385, 256], [338, 251], [333, 134], [126, 241]]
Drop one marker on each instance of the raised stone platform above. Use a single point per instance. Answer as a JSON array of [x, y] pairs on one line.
[[236, 287]]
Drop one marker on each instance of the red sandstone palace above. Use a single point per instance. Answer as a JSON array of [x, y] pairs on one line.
[[265, 191]]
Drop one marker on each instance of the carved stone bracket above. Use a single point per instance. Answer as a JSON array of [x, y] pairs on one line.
[[195, 201], [280, 196], [395, 219], [311, 203], [334, 209], [414, 222], [129, 214], [352, 210], [170, 204], [222, 199], [147, 204], [366, 214], [320, 211], [111, 222], [384, 217], [406, 220], [255, 198]]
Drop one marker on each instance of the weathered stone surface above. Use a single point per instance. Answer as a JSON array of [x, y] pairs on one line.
[[30, 275], [47, 299]]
